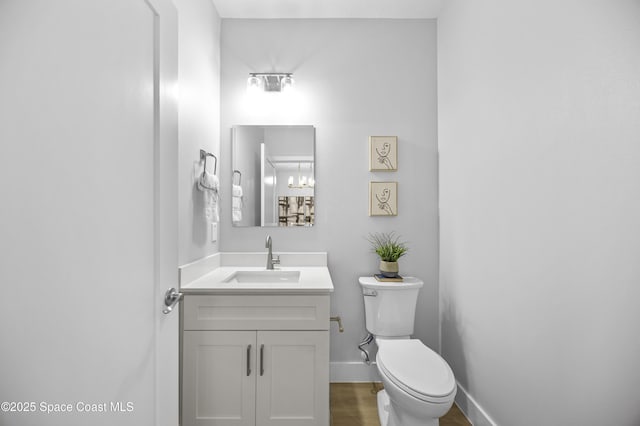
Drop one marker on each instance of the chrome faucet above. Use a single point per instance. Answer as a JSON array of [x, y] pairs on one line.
[[270, 260]]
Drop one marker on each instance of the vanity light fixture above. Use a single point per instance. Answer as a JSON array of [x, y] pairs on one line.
[[270, 82]]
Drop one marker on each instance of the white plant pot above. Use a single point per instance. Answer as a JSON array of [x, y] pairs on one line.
[[389, 269]]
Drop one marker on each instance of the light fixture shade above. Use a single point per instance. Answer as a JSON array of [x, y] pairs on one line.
[[287, 83], [254, 84]]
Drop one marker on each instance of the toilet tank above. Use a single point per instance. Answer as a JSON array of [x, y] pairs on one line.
[[390, 307]]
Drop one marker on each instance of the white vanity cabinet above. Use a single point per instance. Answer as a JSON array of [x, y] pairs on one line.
[[256, 360]]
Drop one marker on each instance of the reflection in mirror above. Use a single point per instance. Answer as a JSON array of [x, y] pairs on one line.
[[273, 175]]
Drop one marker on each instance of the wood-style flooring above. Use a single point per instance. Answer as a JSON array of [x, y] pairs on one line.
[[354, 404]]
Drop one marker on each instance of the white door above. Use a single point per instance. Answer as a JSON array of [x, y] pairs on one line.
[[219, 379], [293, 378], [88, 217]]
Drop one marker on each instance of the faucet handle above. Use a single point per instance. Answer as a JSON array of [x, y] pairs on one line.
[[276, 259]]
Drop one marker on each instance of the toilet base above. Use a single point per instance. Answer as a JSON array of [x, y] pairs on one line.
[[386, 417], [384, 405]]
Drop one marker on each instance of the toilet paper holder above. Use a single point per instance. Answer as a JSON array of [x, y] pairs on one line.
[[339, 321]]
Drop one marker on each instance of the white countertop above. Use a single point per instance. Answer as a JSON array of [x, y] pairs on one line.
[[210, 279]]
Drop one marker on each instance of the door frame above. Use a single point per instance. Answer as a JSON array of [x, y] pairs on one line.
[[166, 209]]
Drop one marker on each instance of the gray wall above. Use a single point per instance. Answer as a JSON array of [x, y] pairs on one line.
[[354, 78], [539, 124], [199, 103]]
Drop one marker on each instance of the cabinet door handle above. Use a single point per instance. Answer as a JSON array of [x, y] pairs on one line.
[[262, 360], [249, 360]]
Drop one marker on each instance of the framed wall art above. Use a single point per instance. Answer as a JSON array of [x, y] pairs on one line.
[[383, 198], [383, 153]]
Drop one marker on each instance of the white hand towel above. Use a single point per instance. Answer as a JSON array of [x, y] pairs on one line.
[[236, 203], [209, 185], [209, 182], [237, 215]]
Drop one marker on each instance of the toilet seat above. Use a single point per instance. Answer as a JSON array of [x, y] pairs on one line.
[[417, 370]]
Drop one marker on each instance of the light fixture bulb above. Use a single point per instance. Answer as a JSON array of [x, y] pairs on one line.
[[254, 84], [286, 84], [290, 181]]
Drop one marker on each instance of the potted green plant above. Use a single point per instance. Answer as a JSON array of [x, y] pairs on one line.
[[389, 247]]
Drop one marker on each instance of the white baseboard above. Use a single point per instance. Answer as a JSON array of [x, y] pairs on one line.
[[471, 409], [353, 372]]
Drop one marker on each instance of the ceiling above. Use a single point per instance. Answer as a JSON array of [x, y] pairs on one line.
[[290, 9]]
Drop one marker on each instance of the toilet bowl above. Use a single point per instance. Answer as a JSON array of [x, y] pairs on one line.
[[419, 386]]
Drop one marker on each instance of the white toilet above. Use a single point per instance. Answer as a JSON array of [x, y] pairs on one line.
[[419, 386]]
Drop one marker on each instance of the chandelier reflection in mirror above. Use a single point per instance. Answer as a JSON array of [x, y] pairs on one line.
[[303, 181], [270, 82]]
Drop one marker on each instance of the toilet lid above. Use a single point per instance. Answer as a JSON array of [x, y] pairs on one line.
[[406, 283], [416, 369]]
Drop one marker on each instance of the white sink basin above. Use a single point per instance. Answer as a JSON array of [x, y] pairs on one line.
[[266, 277]]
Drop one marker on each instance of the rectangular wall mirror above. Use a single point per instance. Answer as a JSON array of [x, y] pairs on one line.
[[273, 175]]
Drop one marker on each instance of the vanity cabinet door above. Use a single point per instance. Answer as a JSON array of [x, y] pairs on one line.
[[219, 375], [293, 378]]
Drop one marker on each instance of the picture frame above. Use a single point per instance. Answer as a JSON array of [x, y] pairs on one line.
[[383, 198], [383, 153]]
